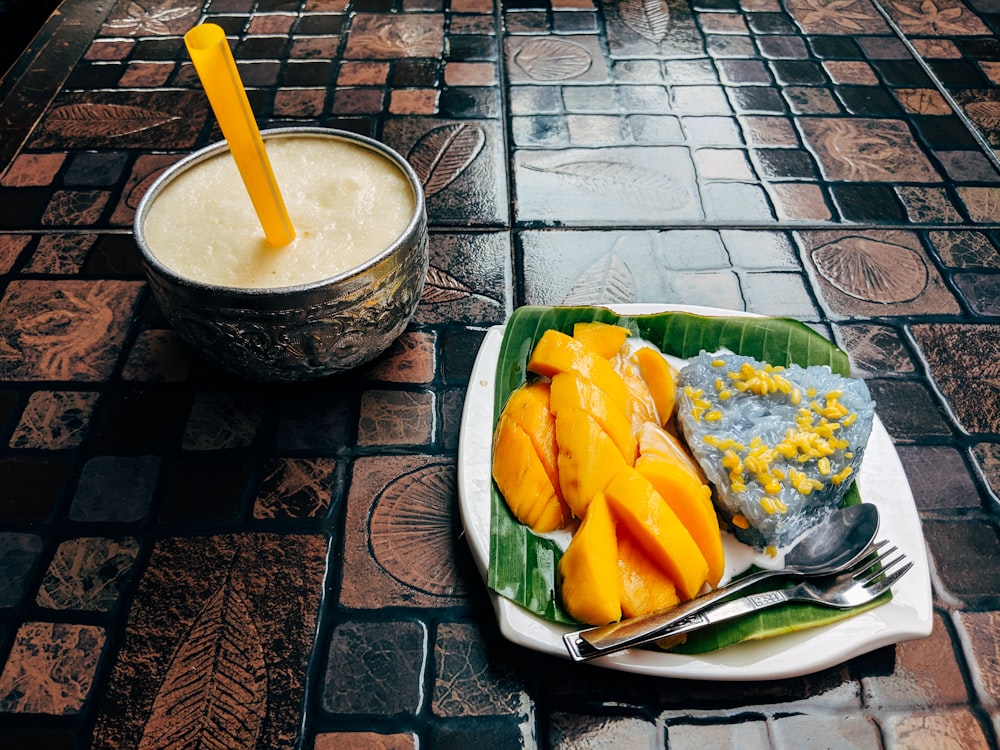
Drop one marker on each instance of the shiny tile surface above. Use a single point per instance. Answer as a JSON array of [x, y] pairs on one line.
[[187, 555]]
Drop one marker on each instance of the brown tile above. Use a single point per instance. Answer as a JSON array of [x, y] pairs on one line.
[[314, 47], [940, 49], [158, 356], [923, 101], [871, 274], [962, 361], [982, 203], [467, 681], [68, 330], [145, 170], [928, 205], [867, 149], [467, 279], [299, 102], [926, 675], [271, 23], [146, 74], [51, 668], [75, 208], [796, 201], [414, 101], [60, 253], [11, 247], [32, 170], [123, 119], [987, 456], [965, 249], [948, 18], [938, 728], [375, 668], [966, 556], [207, 614], [379, 36], [854, 72], [296, 488], [362, 73], [396, 418], [400, 536], [410, 359], [365, 741], [979, 632], [109, 49], [852, 17], [875, 349], [54, 420], [88, 573]]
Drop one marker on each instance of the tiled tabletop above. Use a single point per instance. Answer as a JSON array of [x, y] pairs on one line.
[[185, 556]]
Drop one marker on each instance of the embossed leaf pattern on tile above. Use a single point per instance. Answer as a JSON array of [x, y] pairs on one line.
[[413, 530], [136, 19], [378, 36], [630, 182], [650, 19], [608, 280], [444, 153], [551, 59], [83, 120], [867, 150], [215, 692], [441, 286], [872, 270]]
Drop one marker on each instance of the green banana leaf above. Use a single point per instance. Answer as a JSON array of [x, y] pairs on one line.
[[523, 564]]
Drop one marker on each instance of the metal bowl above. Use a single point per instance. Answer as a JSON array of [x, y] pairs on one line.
[[301, 332]]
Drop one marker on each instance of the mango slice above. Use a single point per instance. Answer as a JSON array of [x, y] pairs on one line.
[[556, 352], [603, 338], [642, 408], [656, 441], [661, 379], [528, 406], [692, 502], [523, 481], [643, 586], [570, 391], [588, 458], [652, 522], [588, 569]]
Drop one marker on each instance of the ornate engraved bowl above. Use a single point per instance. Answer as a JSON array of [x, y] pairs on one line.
[[301, 332]]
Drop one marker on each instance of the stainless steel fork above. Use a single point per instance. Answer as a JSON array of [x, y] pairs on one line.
[[861, 584]]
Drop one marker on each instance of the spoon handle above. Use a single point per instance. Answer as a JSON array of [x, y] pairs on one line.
[[591, 642]]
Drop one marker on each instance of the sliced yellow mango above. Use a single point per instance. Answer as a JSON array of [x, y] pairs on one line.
[[556, 352], [652, 522], [588, 458], [571, 391], [523, 481], [528, 406], [603, 338], [661, 379], [656, 441], [588, 569], [644, 586], [692, 502]]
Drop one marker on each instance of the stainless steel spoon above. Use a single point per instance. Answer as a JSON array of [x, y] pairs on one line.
[[833, 545]]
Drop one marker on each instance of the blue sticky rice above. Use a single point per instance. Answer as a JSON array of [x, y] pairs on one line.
[[781, 446]]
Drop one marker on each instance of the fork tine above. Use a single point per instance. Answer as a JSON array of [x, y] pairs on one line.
[[873, 557], [884, 584], [878, 570]]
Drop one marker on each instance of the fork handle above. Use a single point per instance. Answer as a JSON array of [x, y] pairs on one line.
[[607, 639], [582, 649]]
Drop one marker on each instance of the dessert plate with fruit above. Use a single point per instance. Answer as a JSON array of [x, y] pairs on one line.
[[584, 503]]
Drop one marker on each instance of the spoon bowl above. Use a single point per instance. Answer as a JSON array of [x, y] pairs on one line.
[[838, 541]]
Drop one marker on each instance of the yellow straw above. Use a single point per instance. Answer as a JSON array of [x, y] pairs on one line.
[[216, 68]]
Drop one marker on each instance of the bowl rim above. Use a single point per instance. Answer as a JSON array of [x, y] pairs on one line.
[[413, 228]]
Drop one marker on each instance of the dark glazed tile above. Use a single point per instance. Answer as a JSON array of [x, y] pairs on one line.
[[207, 614], [296, 488], [70, 330], [502, 732], [458, 352], [966, 556], [88, 573], [938, 477], [962, 361], [123, 119], [981, 292], [568, 730], [19, 552], [909, 409], [51, 668], [54, 420], [140, 419], [965, 249], [459, 165], [874, 274], [203, 488], [468, 279], [467, 681], [318, 421], [375, 668], [32, 487], [401, 535], [158, 356], [219, 421], [117, 489]]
